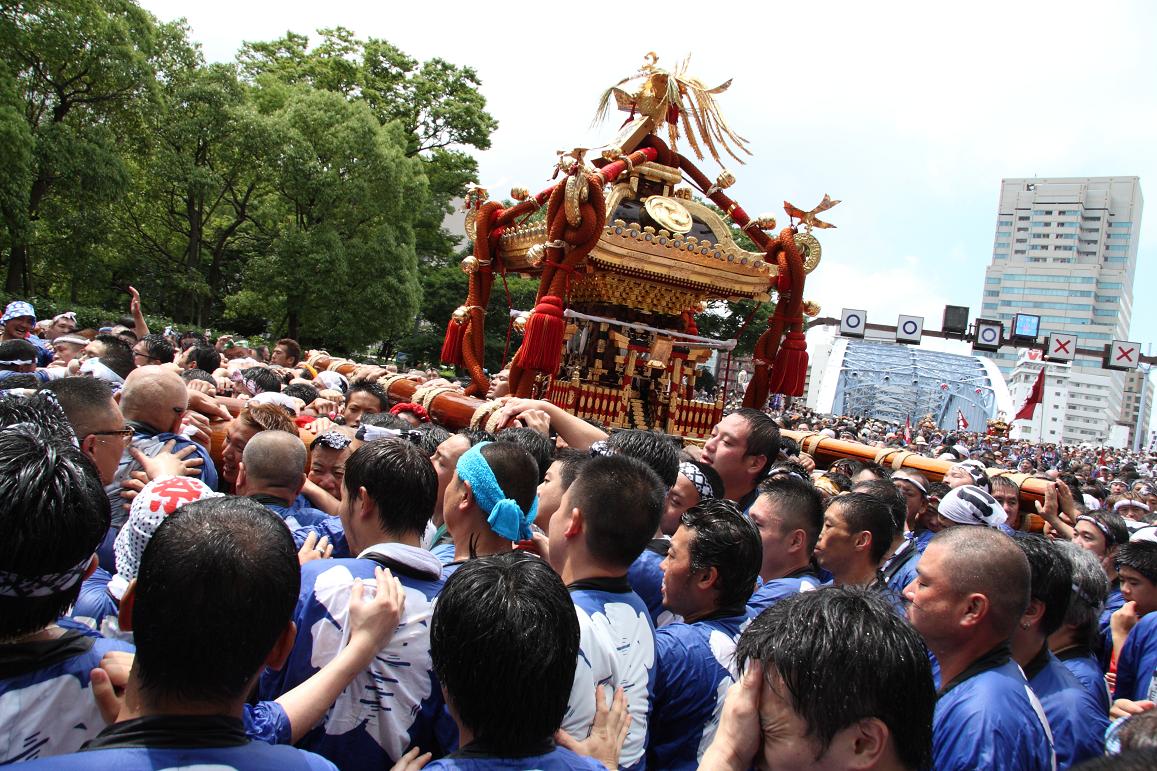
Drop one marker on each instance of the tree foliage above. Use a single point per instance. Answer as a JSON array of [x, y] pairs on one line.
[[444, 289], [298, 190], [83, 69], [725, 320], [437, 104]]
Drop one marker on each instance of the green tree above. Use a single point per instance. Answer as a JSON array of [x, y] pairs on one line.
[[724, 319], [188, 217], [443, 290], [437, 104], [17, 148], [337, 263], [83, 74]]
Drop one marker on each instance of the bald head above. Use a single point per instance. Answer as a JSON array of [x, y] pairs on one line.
[[273, 460], [154, 396], [982, 560]]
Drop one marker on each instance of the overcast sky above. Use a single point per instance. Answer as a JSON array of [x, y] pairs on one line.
[[911, 113]]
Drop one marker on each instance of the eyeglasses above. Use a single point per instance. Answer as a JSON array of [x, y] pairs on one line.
[[145, 356], [126, 434]]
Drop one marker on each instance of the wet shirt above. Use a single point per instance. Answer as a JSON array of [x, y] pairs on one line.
[[695, 665], [46, 702], [616, 649], [397, 701]]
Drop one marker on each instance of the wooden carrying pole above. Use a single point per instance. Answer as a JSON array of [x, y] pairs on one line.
[[826, 450], [454, 411]]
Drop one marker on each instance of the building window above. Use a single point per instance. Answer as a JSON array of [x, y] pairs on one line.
[[1022, 219]]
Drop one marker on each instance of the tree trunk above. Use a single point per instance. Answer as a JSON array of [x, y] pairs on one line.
[[294, 325], [17, 260]]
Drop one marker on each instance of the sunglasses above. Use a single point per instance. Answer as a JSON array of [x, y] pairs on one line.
[[126, 434]]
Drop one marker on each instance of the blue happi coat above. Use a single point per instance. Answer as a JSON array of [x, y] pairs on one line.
[[988, 717], [695, 665], [46, 702], [396, 702], [616, 649]]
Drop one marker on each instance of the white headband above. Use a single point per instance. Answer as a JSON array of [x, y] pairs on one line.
[[971, 505], [697, 479], [99, 371]]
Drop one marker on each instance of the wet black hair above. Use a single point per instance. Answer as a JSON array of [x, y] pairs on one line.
[[505, 624], [621, 499], [539, 446], [653, 448], [229, 563], [840, 655], [727, 541], [799, 504], [400, 480], [53, 510], [866, 512], [888, 495], [159, 348], [1051, 581]]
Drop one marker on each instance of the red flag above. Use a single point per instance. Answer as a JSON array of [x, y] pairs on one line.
[[1035, 397], [908, 430], [961, 422]]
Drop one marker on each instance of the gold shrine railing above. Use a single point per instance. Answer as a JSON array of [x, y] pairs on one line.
[[692, 418]]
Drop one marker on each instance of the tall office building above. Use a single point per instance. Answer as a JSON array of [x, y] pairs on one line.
[[1066, 250], [1138, 404]]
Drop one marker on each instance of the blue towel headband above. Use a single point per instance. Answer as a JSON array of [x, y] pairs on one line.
[[505, 515]]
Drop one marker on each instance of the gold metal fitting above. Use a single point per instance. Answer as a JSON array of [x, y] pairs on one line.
[[470, 265], [519, 193], [683, 193]]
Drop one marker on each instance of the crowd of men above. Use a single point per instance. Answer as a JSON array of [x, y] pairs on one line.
[[993, 447], [345, 584]]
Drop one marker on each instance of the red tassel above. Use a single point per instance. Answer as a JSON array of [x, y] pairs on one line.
[[452, 345], [689, 325], [790, 368], [545, 329]]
